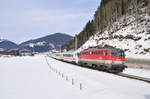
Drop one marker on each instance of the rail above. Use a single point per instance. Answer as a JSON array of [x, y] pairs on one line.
[[134, 77]]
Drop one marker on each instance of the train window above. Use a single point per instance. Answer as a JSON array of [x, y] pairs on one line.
[[93, 53], [85, 53], [106, 53], [100, 52], [118, 53], [114, 53], [97, 52], [67, 55]]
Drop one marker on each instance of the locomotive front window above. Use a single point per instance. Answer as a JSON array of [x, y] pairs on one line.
[[117, 53], [122, 54], [97, 52]]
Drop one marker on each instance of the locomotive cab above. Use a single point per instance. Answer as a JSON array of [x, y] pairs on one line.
[[118, 59]]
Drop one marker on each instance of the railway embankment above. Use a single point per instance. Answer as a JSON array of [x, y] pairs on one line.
[[138, 63]]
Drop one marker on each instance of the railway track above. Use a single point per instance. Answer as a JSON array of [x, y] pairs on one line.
[[134, 77]]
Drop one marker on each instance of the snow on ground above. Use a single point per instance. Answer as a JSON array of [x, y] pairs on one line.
[[104, 85], [137, 72], [31, 78]]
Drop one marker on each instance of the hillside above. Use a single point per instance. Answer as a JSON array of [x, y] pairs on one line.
[[123, 24], [46, 43], [6, 45]]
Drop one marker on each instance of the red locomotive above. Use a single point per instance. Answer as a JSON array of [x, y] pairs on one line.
[[104, 58]]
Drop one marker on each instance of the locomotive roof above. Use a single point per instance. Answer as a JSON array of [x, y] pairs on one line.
[[106, 47]]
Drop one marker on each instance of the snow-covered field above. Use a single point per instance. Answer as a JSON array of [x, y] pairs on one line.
[[31, 78]]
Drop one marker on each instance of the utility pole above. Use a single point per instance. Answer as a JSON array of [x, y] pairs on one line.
[[76, 42]]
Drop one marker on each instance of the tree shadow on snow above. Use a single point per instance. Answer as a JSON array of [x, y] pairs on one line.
[[147, 96]]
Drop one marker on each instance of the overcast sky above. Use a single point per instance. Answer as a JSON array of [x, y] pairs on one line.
[[21, 20]]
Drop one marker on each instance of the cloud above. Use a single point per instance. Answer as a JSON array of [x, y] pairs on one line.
[[43, 21], [43, 18], [34, 18]]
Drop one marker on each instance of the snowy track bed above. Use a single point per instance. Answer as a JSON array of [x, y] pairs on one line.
[[31, 78]]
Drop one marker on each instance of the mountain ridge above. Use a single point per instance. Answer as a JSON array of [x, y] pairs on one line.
[[41, 44], [6, 45]]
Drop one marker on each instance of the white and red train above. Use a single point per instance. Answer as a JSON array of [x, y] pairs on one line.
[[105, 58]]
